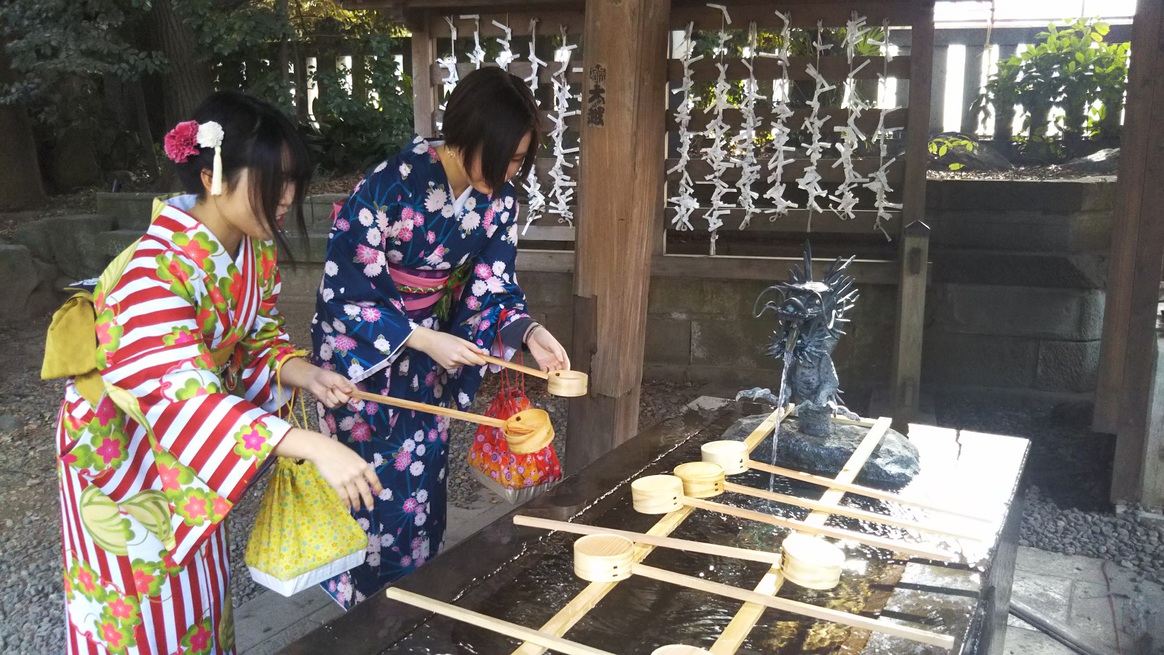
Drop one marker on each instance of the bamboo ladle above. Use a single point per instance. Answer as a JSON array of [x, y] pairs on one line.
[[662, 494], [608, 558], [706, 480], [733, 457], [527, 431], [565, 384], [544, 639], [761, 556]]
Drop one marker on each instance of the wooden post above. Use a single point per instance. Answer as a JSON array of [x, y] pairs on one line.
[[423, 91], [937, 84], [620, 200], [914, 254], [1127, 364], [1136, 154], [971, 87], [1004, 116]]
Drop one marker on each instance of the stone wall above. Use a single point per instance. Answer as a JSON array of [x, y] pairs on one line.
[[1015, 301], [1017, 287]]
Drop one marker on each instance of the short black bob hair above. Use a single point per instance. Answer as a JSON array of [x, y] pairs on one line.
[[488, 114], [260, 138]]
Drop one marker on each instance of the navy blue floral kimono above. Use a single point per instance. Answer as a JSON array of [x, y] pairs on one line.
[[404, 253]]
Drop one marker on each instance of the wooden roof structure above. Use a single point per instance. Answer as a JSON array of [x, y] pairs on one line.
[[620, 235]]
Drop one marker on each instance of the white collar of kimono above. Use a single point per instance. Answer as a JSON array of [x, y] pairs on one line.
[[461, 200], [178, 209]]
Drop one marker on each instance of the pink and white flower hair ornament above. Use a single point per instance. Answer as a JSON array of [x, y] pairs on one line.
[[184, 141]]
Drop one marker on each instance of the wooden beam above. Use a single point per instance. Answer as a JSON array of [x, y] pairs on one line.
[[911, 292], [550, 19], [1136, 152], [734, 118], [911, 312], [720, 267], [827, 168], [1004, 116], [620, 199], [804, 14], [1143, 244], [798, 221], [423, 93], [937, 103], [971, 87], [726, 267], [831, 67]]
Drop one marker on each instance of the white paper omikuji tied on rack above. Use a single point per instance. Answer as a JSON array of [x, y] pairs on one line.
[[851, 137], [781, 133], [562, 192], [716, 154], [477, 56], [684, 200], [745, 141], [506, 56], [810, 180], [879, 181], [449, 63], [536, 200], [845, 200]]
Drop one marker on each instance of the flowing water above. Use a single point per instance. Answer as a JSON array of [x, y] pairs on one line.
[[640, 614]]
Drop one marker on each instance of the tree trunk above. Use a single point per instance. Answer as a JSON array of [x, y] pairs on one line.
[[20, 185], [187, 81], [283, 60]]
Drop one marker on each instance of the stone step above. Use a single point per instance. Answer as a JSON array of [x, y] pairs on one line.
[[27, 289], [1079, 270], [1033, 231], [131, 211]]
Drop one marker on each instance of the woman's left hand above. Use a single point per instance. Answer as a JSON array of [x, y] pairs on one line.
[[331, 388], [549, 354]]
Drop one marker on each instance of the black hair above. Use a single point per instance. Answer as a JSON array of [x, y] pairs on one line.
[[260, 138], [488, 114]]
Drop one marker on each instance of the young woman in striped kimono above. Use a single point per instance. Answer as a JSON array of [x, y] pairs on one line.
[[160, 440]]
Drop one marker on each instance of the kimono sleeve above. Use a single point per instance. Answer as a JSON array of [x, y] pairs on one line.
[[207, 444], [266, 343], [361, 325], [492, 298]]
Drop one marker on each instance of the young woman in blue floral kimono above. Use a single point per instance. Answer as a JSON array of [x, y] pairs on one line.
[[418, 282]]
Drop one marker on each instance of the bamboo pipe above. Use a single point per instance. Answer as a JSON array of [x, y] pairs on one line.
[[734, 459], [706, 480], [607, 558], [496, 625], [566, 384], [763, 557], [661, 494], [527, 431]]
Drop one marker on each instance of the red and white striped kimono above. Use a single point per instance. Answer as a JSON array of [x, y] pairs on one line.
[[148, 475]]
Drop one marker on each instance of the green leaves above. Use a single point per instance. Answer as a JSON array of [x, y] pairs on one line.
[[1073, 68]]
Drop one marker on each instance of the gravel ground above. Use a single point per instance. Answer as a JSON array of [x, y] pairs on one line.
[[1066, 509]]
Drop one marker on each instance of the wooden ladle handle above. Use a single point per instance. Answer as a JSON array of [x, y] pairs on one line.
[[516, 367], [431, 409]]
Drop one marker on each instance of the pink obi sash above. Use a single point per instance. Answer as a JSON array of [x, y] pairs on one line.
[[422, 290]]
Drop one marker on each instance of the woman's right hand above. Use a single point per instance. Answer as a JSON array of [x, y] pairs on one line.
[[352, 477], [445, 349]]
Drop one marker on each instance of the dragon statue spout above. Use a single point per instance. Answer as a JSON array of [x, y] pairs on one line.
[[810, 315]]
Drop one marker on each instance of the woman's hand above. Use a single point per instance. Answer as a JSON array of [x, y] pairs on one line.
[[353, 478], [330, 388], [445, 349], [549, 354]]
